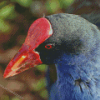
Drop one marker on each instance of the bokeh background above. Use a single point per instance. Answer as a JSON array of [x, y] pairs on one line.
[[15, 18]]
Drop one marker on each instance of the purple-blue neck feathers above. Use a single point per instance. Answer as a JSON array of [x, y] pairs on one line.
[[78, 77]]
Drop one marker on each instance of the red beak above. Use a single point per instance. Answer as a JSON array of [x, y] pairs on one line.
[[27, 57]]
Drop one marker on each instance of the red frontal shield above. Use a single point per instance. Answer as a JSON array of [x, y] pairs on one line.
[[27, 57]]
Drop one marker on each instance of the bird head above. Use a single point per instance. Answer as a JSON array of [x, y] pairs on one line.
[[49, 38]]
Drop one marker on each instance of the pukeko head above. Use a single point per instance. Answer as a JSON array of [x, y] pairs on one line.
[[68, 41]]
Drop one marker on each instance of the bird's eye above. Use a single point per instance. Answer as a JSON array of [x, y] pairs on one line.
[[48, 46]]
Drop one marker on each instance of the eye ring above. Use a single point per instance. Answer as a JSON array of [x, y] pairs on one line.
[[48, 46]]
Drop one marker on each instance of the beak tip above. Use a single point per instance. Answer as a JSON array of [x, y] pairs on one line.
[[5, 75]]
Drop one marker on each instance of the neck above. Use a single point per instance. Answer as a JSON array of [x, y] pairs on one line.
[[76, 75], [74, 67]]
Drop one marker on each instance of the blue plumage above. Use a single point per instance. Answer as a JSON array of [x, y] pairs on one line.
[[78, 78]]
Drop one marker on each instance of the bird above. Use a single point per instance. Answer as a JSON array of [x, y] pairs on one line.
[[72, 44]]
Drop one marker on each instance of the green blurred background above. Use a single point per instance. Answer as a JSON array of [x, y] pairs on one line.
[[15, 18]]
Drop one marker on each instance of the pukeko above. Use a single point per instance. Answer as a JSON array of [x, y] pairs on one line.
[[72, 44]]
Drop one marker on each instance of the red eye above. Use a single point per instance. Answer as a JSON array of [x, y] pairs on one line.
[[49, 46]]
